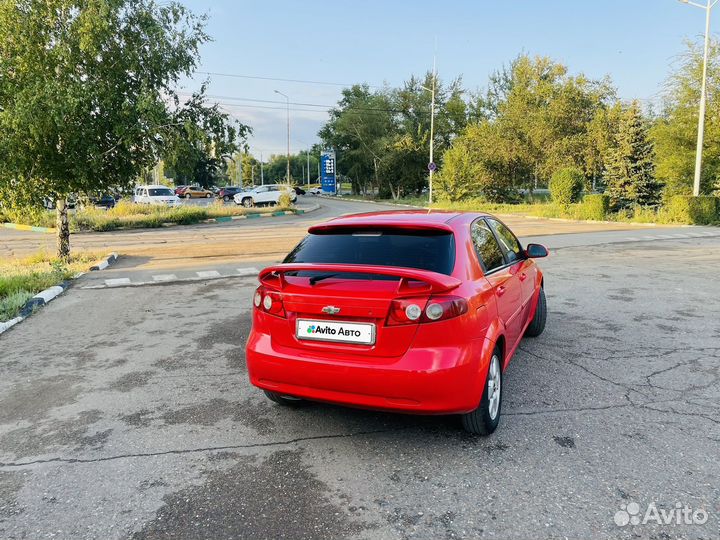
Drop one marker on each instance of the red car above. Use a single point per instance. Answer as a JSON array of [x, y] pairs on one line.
[[403, 311]]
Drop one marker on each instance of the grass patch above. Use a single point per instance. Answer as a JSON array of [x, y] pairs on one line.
[[577, 211], [21, 279], [127, 215]]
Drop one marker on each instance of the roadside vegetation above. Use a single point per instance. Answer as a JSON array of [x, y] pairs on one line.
[[127, 215], [537, 124], [21, 279]]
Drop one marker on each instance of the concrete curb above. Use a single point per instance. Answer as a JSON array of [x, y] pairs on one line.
[[19, 227], [107, 261], [37, 301], [49, 294]]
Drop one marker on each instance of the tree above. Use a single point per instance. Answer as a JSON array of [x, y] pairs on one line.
[[83, 94], [480, 163], [548, 114], [675, 130], [199, 139], [629, 166]]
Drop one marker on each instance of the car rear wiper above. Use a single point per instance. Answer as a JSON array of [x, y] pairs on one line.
[[315, 279]]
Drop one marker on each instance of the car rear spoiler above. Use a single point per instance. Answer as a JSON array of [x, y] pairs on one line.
[[274, 276]]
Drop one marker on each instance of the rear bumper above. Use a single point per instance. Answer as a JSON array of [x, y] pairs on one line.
[[438, 380]]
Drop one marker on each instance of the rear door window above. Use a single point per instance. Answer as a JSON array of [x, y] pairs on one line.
[[508, 242], [422, 249], [486, 246]]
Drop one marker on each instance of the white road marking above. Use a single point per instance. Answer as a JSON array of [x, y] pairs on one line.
[[165, 277], [665, 236], [208, 274], [649, 238], [117, 281], [632, 239], [679, 235], [248, 271]]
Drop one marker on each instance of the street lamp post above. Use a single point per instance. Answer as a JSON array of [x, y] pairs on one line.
[[287, 99], [431, 164], [703, 94]]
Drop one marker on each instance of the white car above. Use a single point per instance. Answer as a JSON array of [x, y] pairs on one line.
[[155, 194], [315, 191], [269, 194]]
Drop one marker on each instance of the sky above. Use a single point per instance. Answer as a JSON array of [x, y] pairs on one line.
[[634, 42]]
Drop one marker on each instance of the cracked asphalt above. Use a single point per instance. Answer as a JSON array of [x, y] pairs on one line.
[[126, 413]]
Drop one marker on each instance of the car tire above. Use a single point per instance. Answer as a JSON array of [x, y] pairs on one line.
[[226, 198], [188, 196], [247, 202], [285, 401], [208, 195], [485, 419], [537, 325]]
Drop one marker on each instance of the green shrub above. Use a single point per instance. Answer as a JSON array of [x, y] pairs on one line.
[[595, 206], [566, 185], [701, 210]]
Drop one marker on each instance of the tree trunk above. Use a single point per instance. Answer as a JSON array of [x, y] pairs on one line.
[[63, 230]]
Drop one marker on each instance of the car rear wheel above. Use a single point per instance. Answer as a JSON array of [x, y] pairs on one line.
[[285, 401], [187, 196], [537, 325], [485, 419], [247, 202], [226, 198], [208, 195]]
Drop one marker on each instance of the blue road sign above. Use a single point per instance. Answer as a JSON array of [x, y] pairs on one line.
[[328, 177]]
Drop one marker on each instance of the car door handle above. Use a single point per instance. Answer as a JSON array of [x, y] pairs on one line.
[[522, 276], [500, 290]]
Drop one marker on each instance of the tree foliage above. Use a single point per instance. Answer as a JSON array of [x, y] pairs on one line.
[[566, 185], [675, 130], [199, 139], [629, 166], [382, 136], [84, 88], [534, 119]]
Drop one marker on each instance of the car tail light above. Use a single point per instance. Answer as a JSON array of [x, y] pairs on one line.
[[269, 302], [424, 310]]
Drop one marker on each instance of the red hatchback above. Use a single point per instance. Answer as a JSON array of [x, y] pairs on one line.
[[405, 311]]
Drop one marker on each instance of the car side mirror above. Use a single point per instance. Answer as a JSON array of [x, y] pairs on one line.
[[535, 251]]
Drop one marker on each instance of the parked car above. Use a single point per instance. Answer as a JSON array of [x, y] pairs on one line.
[[299, 190], [196, 192], [264, 195], [228, 192], [390, 310], [155, 194], [315, 191], [179, 190], [103, 201]]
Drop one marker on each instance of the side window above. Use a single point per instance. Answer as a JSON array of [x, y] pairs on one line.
[[508, 243], [486, 246], [262, 190]]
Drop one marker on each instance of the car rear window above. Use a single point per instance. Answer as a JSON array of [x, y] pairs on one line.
[[424, 249], [160, 192]]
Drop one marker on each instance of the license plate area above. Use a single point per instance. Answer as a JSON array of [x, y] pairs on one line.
[[335, 331]]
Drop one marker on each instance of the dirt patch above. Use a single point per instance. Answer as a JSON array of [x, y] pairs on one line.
[[230, 331], [133, 380], [33, 400], [50, 435], [279, 498], [253, 414]]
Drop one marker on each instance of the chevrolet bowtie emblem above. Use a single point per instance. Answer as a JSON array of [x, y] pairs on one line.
[[331, 310]]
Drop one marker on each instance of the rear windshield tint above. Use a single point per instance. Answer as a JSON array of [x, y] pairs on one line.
[[426, 250]]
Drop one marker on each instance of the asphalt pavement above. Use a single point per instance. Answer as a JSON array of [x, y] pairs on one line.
[[125, 412]]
